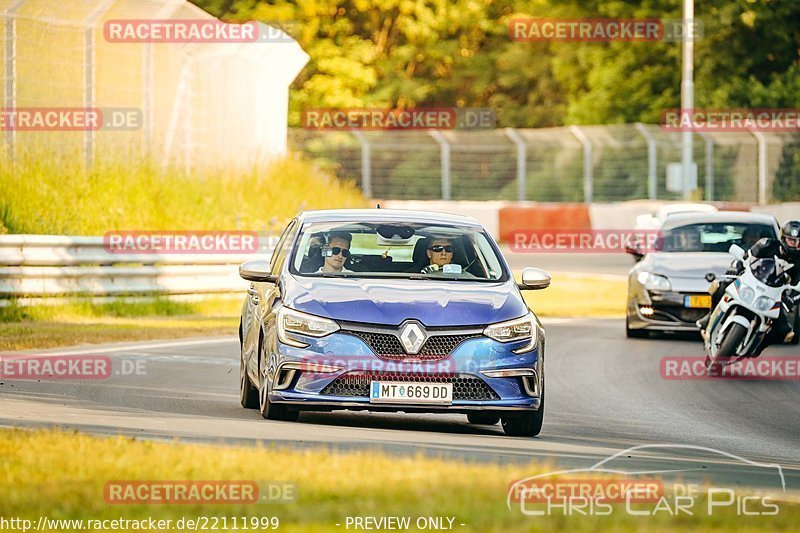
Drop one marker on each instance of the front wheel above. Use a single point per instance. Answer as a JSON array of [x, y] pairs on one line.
[[248, 394], [527, 425], [268, 409], [483, 419], [727, 349], [796, 327]]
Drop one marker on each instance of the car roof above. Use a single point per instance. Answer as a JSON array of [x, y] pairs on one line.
[[684, 219], [671, 210], [387, 215]]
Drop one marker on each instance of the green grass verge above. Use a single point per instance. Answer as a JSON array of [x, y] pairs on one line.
[[62, 476], [45, 194], [82, 322]]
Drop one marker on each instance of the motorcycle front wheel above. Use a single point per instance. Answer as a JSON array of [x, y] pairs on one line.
[[727, 349]]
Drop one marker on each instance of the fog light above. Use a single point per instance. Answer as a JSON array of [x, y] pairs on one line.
[[646, 310]]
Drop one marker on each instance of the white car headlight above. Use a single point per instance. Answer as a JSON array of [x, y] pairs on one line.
[[654, 282], [291, 321], [763, 304], [747, 294], [514, 330]]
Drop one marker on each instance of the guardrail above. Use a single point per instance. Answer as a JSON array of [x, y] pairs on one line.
[[38, 266]]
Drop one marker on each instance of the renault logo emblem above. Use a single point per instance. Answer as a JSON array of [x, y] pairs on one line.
[[412, 337]]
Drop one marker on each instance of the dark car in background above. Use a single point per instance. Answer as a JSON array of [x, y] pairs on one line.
[[668, 286]]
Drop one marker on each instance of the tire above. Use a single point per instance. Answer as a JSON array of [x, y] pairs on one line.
[[248, 394], [796, 340], [635, 333], [527, 425], [483, 418], [269, 410], [733, 338]]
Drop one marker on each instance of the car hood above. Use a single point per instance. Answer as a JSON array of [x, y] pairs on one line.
[[390, 302], [686, 264]]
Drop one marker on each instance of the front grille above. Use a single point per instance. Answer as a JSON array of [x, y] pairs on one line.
[[683, 314], [387, 345], [356, 384]]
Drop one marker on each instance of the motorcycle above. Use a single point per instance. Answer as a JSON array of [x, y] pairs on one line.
[[746, 312]]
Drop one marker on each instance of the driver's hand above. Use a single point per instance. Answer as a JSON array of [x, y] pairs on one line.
[[430, 269]]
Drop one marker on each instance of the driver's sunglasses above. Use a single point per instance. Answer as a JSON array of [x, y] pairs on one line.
[[791, 242], [336, 251], [438, 248]]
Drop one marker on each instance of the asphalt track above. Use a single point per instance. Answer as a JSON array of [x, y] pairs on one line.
[[605, 393]]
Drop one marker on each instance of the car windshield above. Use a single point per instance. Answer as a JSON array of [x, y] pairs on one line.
[[396, 250], [712, 237]]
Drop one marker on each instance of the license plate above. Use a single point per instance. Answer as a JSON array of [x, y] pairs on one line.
[[399, 392], [701, 301]]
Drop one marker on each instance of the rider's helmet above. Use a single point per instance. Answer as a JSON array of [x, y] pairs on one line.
[[790, 238]]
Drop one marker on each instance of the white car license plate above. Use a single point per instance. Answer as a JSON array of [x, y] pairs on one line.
[[400, 392]]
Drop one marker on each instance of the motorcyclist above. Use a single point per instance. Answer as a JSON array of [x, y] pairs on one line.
[[787, 247]]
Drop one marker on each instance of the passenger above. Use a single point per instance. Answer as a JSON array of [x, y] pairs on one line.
[[312, 261], [440, 253], [336, 252]]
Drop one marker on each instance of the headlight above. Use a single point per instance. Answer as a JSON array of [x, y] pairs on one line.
[[654, 282], [291, 321], [764, 304], [747, 294], [514, 330]]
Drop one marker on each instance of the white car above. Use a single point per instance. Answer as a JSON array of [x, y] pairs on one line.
[[657, 218]]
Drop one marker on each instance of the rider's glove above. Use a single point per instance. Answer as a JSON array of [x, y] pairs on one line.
[[735, 269]]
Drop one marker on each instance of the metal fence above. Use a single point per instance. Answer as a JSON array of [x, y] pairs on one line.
[[37, 267], [201, 103], [586, 163]]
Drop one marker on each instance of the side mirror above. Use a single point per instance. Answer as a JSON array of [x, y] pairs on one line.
[[534, 279], [737, 252], [635, 250], [257, 270]]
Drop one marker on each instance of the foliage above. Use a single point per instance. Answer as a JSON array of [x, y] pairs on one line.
[[396, 53]]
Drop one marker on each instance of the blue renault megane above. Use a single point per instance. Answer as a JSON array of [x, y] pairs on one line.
[[389, 310]]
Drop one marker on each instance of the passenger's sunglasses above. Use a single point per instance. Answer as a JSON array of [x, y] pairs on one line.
[[438, 248], [328, 252]]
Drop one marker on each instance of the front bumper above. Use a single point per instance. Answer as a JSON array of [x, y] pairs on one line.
[[340, 366], [664, 311]]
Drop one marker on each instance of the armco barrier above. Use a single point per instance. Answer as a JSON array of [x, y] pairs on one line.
[[37, 266]]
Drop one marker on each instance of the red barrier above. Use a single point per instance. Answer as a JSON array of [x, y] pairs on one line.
[[543, 216]]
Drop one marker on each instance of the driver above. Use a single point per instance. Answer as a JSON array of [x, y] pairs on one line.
[[336, 252], [440, 253], [786, 248]]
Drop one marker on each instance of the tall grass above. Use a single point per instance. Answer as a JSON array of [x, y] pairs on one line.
[[49, 194]]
